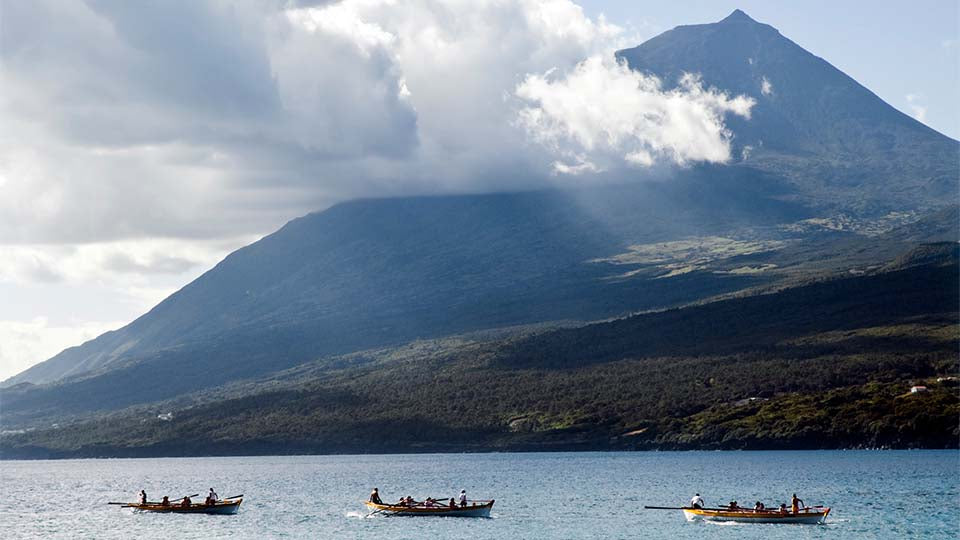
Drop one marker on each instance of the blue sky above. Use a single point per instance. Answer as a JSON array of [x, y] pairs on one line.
[[143, 141], [896, 49]]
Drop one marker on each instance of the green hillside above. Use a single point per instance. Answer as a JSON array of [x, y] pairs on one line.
[[824, 365]]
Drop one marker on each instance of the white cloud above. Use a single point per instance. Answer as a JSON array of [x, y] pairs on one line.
[[603, 114], [207, 119], [917, 109], [766, 88], [24, 343], [56, 296], [120, 264]]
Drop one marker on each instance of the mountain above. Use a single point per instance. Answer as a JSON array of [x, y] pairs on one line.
[[822, 365], [831, 182], [837, 142], [372, 272]]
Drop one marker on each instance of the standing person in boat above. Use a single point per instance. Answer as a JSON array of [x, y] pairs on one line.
[[212, 497], [796, 503], [143, 497], [696, 501], [375, 497], [463, 497]]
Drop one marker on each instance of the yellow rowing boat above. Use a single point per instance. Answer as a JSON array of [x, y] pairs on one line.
[[804, 515], [472, 509]]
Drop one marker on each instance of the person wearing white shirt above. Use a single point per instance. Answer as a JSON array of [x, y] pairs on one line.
[[696, 501], [463, 497]]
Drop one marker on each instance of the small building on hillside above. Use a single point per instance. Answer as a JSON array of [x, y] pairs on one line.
[[918, 389]]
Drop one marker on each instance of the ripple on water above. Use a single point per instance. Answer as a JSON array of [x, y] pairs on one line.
[[562, 495]]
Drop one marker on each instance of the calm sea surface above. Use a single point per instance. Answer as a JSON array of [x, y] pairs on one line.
[[909, 494]]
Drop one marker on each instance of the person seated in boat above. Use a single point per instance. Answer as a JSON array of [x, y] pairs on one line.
[[375, 497], [796, 504], [409, 501], [696, 501], [783, 508], [453, 503], [733, 506], [758, 507], [165, 501], [428, 502], [142, 499], [463, 497], [185, 503]]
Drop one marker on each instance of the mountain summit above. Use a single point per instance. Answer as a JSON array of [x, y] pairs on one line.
[[835, 140], [737, 16]]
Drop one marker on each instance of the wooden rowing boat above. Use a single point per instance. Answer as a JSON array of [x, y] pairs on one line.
[[473, 509], [805, 515], [219, 507]]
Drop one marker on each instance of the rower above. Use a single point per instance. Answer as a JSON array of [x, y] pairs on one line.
[[696, 501], [758, 507], [185, 503], [375, 497], [453, 503], [795, 503], [165, 501], [428, 502], [463, 497], [143, 497]]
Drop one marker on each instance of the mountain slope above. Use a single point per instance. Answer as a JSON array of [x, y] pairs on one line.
[[824, 365], [373, 272]]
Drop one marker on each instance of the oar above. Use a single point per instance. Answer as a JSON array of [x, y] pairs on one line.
[[683, 508], [234, 497], [185, 496]]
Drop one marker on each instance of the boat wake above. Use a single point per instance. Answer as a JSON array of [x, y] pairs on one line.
[[357, 515]]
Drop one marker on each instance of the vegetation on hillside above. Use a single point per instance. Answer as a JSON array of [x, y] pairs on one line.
[[821, 366]]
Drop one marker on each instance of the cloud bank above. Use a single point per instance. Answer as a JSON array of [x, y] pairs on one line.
[[141, 141], [189, 119]]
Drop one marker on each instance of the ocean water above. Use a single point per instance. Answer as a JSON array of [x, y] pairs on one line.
[[874, 494]]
